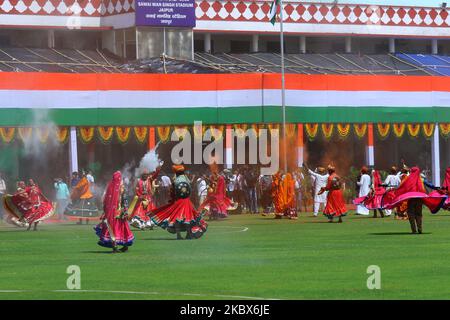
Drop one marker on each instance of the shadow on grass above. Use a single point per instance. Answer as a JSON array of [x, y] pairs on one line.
[[108, 252], [397, 234], [158, 239]]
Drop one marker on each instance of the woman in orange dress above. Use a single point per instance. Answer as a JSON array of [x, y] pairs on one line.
[[83, 202], [335, 199], [285, 204]]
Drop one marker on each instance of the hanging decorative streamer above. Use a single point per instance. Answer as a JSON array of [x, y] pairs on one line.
[[290, 130], [240, 130], [123, 134], [181, 131], [343, 130], [62, 134], [105, 134], [327, 130], [163, 133], [217, 131], [398, 129], [428, 130], [360, 129], [140, 133], [413, 130], [444, 128], [25, 133], [198, 131], [7, 134], [43, 133], [383, 130], [86, 134], [311, 130], [274, 129]]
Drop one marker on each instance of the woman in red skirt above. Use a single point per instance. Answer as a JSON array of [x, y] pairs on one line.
[[179, 215], [335, 199], [28, 206], [114, 230]]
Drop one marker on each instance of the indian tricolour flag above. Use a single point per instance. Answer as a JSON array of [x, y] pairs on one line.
[[273, 11]]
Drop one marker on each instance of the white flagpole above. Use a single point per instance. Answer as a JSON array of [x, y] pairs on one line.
[[283, 96]]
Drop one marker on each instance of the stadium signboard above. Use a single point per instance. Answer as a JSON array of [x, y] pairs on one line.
[[165, 13]]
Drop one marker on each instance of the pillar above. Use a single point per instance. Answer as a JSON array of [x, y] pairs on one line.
[[391, 45], [207, 42], [434, 46], [370, 155], [151, 138], [228, 147], [73, 150], [348, 45], [435, 157], [300, 144], [51, 38], [302, 44], [255, 43]]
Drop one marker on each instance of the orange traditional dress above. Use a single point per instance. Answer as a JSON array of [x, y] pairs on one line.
[[277, 193], [83, 202], [286, 205]]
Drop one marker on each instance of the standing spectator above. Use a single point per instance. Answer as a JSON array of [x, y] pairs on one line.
[[2, 192], [265, 191], [298, 177], [62, 197], [240, 190], [202, 189], [74, 180], [91, 180], [231, 184], [164, 189], [250, 180]]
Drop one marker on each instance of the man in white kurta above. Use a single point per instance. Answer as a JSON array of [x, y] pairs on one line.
[[364, 189], [320, 181], [392, 182]]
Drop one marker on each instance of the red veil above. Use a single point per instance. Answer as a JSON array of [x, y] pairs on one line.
[[412, 187], [112, 196]]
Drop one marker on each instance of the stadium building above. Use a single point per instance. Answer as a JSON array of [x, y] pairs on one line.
[[367, 81]]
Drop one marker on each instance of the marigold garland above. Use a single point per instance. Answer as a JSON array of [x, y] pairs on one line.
[[43, 133], [398, 129], [217, 132], [62, 134], [428, 129], [7, 134], [86, 134], [343, 130], [199, 131], [360, 129], [123, 134], [383, 130], [181, 131], [140, 133], [25, 133], [311, 130], [291, 129], [274, 129], [444, 128], [413, 130], [105, 133], [163, 133], [327, 130]]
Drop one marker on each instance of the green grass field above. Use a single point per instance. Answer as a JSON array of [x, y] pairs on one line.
[[245, 256]]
